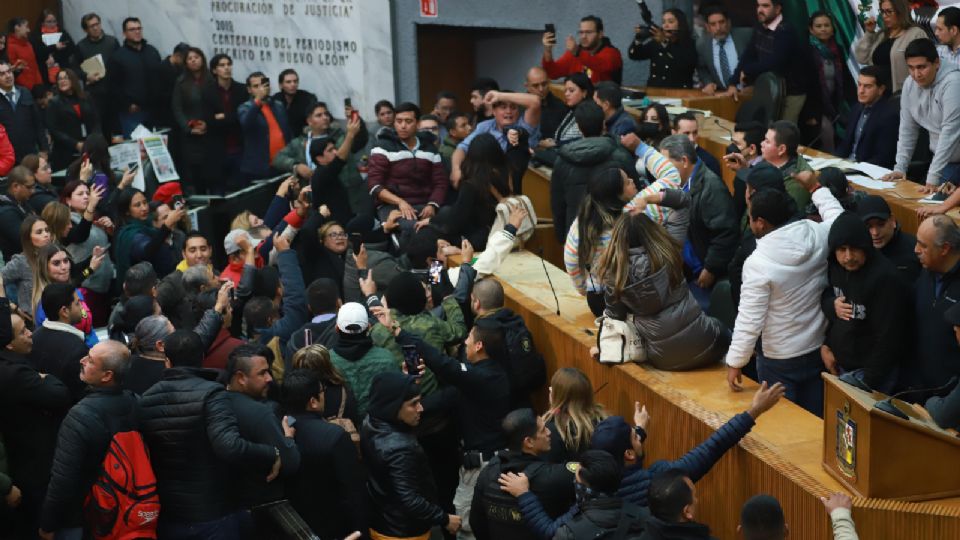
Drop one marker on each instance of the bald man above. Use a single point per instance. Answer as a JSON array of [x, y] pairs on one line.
[[552, 108]]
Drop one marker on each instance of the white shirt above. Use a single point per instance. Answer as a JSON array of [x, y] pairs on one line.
[[949, 55]]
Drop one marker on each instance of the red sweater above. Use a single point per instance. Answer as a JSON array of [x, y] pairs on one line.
[[605, 65], [7, 157], [21, 49]]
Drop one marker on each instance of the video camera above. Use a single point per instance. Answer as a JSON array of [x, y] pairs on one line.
[[647, 17]]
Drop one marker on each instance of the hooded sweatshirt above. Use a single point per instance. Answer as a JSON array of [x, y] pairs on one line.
[[875, 337], [359, 361], [783, 280], [937, 110]]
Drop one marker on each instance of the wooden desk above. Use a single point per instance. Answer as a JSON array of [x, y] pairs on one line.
[[781, 456]]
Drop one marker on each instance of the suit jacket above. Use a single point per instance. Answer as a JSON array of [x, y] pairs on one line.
[[706, 69], [24, 124], [878, 144]]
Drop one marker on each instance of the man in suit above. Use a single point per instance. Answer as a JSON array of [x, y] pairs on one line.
[[20, 116], [722, 41], [873, 124]]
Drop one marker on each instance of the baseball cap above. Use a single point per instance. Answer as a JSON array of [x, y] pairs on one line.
[[612, 435], [873, 207], [352, 318], [766, 176], [230, 242]]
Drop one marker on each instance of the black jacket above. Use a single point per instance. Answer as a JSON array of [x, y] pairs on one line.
[[142, 374], [400, 485], [324, 333], [878, 335], [483, 396], [11, 216], [24, 125], [658, 529], [82, 444], [598, 514], [133, 75], [58, 353], [671, 65], [328, 458], [525, 367], [44, 194], [67, 127], [259, 424], [780, 51], [575, 166], [878, 142], [899, 250], [297, 109], [226, 132], [713, 221], [552, 111], [937, 353], [31, 408], [495, 514], [193, 437]]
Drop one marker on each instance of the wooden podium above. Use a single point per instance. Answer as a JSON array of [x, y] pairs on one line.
[[876, 454]]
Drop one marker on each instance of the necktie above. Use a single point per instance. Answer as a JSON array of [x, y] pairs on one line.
[[724, 62], [11, 97]]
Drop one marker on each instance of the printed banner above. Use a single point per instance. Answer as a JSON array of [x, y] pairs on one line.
[[340, 48]]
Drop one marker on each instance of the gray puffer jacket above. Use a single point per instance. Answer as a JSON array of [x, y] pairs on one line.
[[677, 334]]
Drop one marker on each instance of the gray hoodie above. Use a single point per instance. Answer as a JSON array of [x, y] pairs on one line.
[[936, 109]]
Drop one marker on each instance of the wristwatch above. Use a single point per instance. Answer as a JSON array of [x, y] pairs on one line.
[[641, 433]]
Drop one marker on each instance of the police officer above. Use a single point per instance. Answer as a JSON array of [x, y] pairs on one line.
[[495, 513]]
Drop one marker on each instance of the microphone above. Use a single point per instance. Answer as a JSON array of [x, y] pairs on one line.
[[546, 273], [723, 127], [887, 405]]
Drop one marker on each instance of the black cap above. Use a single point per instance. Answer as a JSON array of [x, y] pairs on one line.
[[873, 207], [766, 176], [612, 435]]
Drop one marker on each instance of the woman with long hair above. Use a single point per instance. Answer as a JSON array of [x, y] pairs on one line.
[[191, 115], [886, 47], [71, 118], [73, 226], [485, 181], [57, 57], [137, 240], [18, 272], [642, 272], [337, 393], [589, 234], [671, 50], [54, 266], [43, 191], [572, 416], [656, 114], [826, 99]]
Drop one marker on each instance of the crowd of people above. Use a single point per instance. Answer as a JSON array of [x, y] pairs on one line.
[[340, 375]]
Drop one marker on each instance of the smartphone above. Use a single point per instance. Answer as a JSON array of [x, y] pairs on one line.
[[133, 166], [178, 202], [411, 359], [549, 27], [356, 240], [100, 180], [291, 421], [85, 157], [436, 267], [307, 337], [347, 103], [233, 294], [354, 115]]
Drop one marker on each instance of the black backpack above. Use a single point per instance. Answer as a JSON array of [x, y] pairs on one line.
[[584, 529], [525, 368]]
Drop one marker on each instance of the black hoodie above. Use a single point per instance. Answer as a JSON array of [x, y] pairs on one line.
[[657, 529], [877, 336]]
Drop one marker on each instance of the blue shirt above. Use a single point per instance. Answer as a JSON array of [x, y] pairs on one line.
[[490, 126]]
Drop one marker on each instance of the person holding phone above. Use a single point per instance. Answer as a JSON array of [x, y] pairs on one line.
[[593, 54], [330, 160]]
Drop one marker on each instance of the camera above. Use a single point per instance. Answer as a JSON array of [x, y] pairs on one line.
[[647, 17]]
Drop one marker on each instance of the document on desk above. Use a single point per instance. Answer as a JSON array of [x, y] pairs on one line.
[[870, 183], [873, 171], [819, 163]]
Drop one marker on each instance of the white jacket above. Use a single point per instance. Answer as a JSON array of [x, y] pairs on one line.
[[782, 283]]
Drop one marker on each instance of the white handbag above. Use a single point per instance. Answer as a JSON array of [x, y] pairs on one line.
[[525, 231], [619, 341]]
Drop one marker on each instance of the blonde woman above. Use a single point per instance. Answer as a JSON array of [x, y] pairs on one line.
[[54, 266], [573, 415], [337, 394], [886, 47]]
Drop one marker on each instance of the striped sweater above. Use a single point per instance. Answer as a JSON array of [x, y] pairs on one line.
[[667, 177]]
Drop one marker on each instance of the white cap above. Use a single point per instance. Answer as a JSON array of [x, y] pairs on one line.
[[230, 242], [352, 318]]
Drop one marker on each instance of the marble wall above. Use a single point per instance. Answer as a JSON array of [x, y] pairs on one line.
[[340, 48]]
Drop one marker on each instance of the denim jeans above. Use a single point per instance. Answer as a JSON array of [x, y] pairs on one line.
[[224, 528], [800, 375]]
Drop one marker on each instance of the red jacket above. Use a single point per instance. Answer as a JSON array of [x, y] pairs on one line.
[[7, 158], [219, 351], [21, 49], [417, 176], [604, 65]]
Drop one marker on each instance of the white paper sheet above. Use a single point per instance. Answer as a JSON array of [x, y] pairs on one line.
[[51, 39], [869, 169], [870, 183]]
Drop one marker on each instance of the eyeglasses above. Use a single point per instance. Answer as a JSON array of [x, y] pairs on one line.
[[337, 235], [888, 12], [134, 29]]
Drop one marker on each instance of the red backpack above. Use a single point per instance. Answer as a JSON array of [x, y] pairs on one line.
[[123, 503]]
